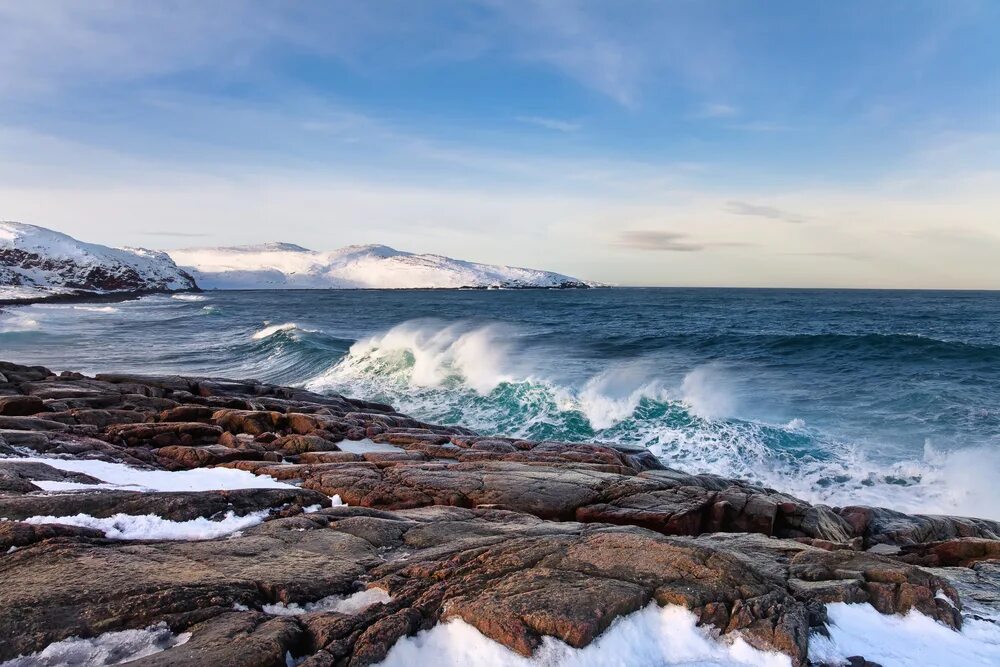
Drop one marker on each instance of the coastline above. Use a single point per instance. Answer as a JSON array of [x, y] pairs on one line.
[[84, 296], [519, 539]]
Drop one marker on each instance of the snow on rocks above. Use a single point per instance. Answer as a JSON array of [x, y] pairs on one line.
[[110, 648], [152, 527], [38, 263], [912, 640], [121, 476], [341, 604]]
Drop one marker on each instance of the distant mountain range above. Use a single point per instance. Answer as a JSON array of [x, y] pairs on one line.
[[37, 264], [287, 266]]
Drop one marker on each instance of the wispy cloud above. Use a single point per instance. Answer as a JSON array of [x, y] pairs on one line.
[[763, 211], [650, 239], [660, 240], [176, 234], [717, 110], [762, 126], [556, 124], [859, 256]]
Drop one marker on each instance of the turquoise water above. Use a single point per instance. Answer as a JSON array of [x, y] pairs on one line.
[[840, 396]]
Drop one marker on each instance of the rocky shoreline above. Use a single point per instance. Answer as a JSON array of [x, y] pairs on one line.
[[520, 539]]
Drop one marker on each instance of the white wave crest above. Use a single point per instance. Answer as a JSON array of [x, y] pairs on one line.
[[18, 322], [97, 309], [428, 353], [613, 395], [651, 637], [188, 297], [272, 329], [706, 391]]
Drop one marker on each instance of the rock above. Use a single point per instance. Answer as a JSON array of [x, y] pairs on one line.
[[17, 476], [31, 424], [961, 552], [65, 587], [301, 444], [21, 406], [884, 526], [188, 413], [198, 457], [15, 535], [253, 422], [233, 639], [172, 505], [164, 434]]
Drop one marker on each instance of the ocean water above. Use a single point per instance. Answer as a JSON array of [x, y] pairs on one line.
[[878, 397]]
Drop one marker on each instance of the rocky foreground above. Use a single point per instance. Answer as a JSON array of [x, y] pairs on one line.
[[520, 539]]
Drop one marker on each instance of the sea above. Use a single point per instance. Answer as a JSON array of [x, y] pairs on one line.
[[888, 398]]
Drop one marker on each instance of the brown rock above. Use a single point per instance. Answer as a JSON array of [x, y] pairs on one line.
[[20, 406]]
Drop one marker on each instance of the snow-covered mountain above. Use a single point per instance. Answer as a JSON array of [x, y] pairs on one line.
[[38, 263], [288, 266]]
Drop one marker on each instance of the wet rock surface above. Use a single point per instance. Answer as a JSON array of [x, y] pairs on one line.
[[519, 539]]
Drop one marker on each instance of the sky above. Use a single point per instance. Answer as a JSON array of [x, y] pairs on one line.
[[715, 143]]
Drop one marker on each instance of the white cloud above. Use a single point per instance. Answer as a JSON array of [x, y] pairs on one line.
[[556, 124], [717, 110]]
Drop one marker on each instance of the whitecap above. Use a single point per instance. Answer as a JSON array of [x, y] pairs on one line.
[[427, 353], [17, 322], [272, 329], [97, 309], [706, 391]]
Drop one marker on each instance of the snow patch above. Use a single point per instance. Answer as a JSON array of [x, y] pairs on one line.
[[913, 640], [152, 527], [121, 476], [651, 637], [349, 604], [110, 648]]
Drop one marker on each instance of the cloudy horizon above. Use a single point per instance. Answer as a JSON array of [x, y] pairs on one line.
[[638, 143]]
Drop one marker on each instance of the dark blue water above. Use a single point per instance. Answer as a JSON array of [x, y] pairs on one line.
[[844, 396]]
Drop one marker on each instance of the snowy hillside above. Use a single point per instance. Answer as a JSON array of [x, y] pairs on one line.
[[38, 263], [283, 265]]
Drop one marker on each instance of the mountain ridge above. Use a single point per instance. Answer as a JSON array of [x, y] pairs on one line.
[[40, 264], [278, 265]]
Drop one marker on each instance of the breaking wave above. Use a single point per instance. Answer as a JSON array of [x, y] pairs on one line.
[[272, 329], [489, 378], [819, 406]]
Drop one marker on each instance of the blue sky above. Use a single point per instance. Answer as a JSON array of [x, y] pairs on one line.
[[666, 143]]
